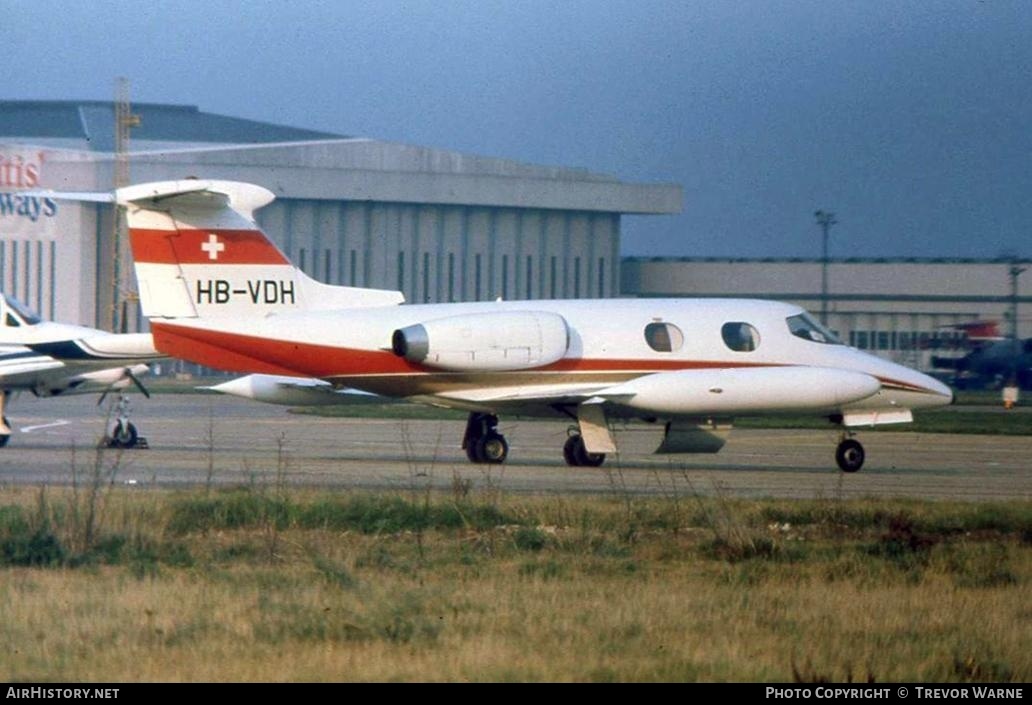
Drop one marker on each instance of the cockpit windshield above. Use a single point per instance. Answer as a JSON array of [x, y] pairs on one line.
[[26, 315], [804, 326]]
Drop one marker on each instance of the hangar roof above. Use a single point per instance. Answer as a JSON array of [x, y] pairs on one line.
[[90, 124], [174, 141]]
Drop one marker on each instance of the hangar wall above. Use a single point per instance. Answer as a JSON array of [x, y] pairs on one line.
[[450, 253]]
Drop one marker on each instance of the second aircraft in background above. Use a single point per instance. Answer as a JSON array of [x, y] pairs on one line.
[[48, 359]]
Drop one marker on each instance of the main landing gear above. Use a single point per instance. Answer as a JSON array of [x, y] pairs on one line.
[[850, 454], [482, 442]]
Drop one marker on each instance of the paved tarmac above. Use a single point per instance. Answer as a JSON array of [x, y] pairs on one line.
[[244, 441]]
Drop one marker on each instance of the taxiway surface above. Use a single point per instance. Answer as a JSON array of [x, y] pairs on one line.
[[244, 441]]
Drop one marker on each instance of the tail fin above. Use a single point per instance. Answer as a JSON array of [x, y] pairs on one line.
[[198, 253]]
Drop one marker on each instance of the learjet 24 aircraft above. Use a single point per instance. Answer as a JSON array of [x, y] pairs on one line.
[[219, 293]]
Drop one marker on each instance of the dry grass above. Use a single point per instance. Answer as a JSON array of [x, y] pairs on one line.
[[318, 587]]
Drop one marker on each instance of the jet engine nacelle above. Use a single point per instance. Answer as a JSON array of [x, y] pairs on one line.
[[518, 340], [736, 392]]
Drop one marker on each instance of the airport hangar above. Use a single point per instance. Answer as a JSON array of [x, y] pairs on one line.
[[906, 310], [435, 224]]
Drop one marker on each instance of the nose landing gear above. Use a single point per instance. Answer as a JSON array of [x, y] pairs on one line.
[[123, 433]]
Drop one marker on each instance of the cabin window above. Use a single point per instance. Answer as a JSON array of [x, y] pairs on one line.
[[740, 336], [804, 326], [664, 337]]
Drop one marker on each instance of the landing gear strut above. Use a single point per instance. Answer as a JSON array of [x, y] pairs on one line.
[[123, 432], [576, 455], [482, 442], [849, 455]]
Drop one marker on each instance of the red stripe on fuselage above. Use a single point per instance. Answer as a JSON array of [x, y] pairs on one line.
[[903, 386], [246, 353], [203, 247]]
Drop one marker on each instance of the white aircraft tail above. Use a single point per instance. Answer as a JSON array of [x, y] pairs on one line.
[[198, 253]]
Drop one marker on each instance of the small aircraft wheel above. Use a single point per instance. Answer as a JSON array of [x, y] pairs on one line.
[[492, 449], [849, 455], [471, 452], [577, 455], [568, 451], [124, 436], [5, 437]]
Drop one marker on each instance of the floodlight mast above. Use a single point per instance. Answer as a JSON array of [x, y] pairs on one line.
[[825, 219]]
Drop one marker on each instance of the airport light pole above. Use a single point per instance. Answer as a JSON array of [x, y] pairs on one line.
[[825, 219]]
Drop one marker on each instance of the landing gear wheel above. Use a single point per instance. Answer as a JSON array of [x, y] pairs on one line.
[[124, 435], [849, 455], [5, 437], [482, 442], [576, 455], [568, 454], [492, 449]]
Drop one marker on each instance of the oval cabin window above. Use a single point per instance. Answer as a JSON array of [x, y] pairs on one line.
[[740, 336], [664, 337]]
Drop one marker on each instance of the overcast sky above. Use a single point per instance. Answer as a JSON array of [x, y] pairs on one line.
[[912, 121]]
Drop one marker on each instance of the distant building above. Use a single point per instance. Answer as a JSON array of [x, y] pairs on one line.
[[438, 225], [907, 310]]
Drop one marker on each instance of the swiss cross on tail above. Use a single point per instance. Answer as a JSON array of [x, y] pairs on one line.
[[198, 252], [213, 247]]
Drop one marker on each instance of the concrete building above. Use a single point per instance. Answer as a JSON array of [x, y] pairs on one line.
[[907, 310], [436, 224]]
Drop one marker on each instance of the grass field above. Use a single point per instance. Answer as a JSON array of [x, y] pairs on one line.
[[105, 583]]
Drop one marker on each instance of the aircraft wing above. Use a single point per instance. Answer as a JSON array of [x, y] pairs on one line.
[[22, 367], [25, 368], [526, 394]]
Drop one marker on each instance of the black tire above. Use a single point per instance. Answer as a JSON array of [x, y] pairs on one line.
[[577, 455], [492, 449], [568, 454], [5, 437], [849, 455], [124, 436], [471, 452]]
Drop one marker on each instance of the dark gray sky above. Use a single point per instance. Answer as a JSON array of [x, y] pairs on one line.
[[912, 121]]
